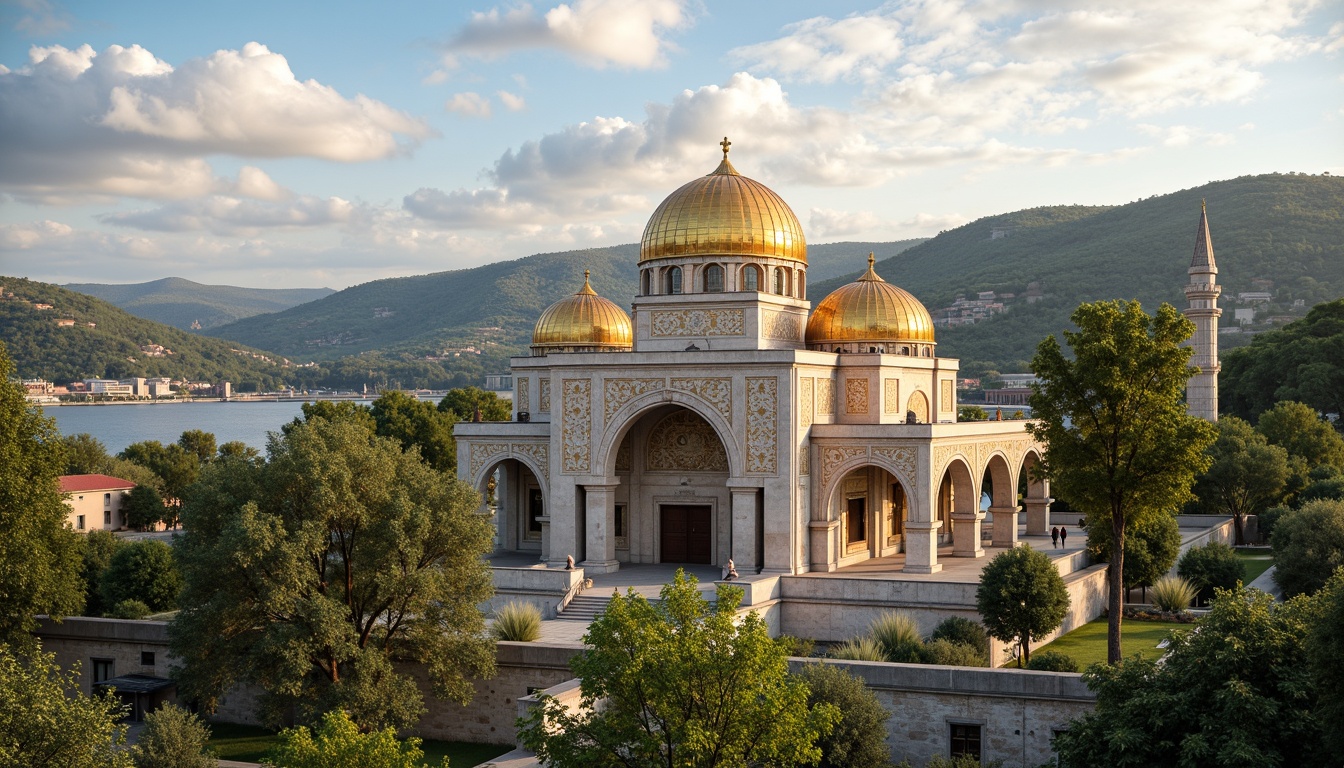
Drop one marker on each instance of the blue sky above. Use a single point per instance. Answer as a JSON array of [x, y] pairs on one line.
[[328, 144]]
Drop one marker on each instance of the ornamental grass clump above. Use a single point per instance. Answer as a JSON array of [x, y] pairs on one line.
[[518, 622], [898, 635], [859, 649], [1173, 594]]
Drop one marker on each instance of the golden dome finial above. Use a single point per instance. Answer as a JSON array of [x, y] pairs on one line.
[[725, 144], [587, 288], [871, 275]]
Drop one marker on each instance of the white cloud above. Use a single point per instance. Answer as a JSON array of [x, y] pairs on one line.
[[39, 18], [511, 101], [824, 50], [233, 216], [624, 33], [253, 182], [830, 224], [123, 122], [1185, 135], [469, 104]]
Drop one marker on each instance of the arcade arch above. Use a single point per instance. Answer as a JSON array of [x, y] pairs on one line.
[[872, 506]]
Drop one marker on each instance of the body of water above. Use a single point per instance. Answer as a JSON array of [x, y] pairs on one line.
[[117, 426]]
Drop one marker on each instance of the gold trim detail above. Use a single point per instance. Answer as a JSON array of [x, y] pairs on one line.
[[697, 322], [762, 418], [782, 325], [545, 405], [805, 402], [825, 397], [946, 404], [483, 454], [618, 392], [891, 397], [685, 442], [576, 418], [524, 402], [718, 392], [856, 396], [833, 456], [903, 458], [538, 452]]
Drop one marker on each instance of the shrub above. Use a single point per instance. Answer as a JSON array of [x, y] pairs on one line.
[[1308, 546], [520, 622], [859, 649], [964, 631], [338, 741], [859, 739], [1212, 566], [1021, 596], [1052, 661], [130, 609], [953, 654], [1173, 594], [1268, 519], [144, 571], [898, 635], [797, 646], [173, 738]]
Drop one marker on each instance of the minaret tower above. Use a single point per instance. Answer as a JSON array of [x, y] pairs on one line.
[[1201, 394]]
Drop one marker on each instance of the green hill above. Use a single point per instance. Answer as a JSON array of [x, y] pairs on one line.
[[105, 342], [182, 303], [1281, 233]]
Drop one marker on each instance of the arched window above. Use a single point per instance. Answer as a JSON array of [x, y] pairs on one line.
[[713, 279], [779, 281], [644, 283], [751, 278], [802, 284], [674, 280]]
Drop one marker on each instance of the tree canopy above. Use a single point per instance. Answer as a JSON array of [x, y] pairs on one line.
[[310, 573], [144, 571], [1308, 546], [680, 682], [414, 422], [1301, 431], [1303, 361], [464, 401], [1119, 443], [43, 726], [1151, 548], [338, 741], [1247, 474], [1021, 597]]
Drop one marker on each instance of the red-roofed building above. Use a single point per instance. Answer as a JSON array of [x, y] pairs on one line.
[[95, 501]]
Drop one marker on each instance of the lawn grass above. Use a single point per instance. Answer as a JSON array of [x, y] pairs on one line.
[[1256, 562], [1087, 644], [250, 743]]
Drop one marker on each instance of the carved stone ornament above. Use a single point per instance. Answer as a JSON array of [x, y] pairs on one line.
[[718, 392], [903, 458], [617, 392], [891, 396], [825, 396], [782, 325], [545, 405], [624, 455], [685, 442], [947, 399], [833, 456], [805, 402], [805, 460], [521, 398], [762, 421], [540, 453], [942, 455], [484, 454], [697, 322], [856, 396], [576, 417]]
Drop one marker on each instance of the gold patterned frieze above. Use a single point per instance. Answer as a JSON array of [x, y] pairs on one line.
[[947, 399], [484, 454], [832, 456], [762, 424], [540, 453], [545, 395], [697, 322], [618, 392], [825, 397], [685, 442], [903, 458], [856, 396], [717, 391], [805, 460], [576, 419], [891, 396]]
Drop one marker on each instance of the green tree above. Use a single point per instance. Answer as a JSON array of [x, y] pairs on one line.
[[39, 556], [84, 455], [144, 571], [1211, 567], [1325, 648], [1299, 429], [96, 553], [173, 738], [238, 449], [1205, 705], [332, 410], [1246, 477], [417, 422], [971, 413], [339, 742], [1151, 548], [1308, 546], [859, 739], [176, 467], [1119, 443], [680, 682], [463, 402], [1021, 596], [198, 443], [143, 507], [41, 726], [311, 573], [1303, 361]]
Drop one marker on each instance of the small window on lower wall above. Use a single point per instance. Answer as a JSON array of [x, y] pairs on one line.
[[103, 669], [147, 658], [964, 740]]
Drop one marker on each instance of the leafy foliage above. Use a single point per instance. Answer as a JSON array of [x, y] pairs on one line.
[[463, 402], [413, 422], [173, 738], [959, 629], [897, 633], [1052, 661], [1119, 443], [863, 648], [1308, 546], [1151, 548], [859, 739], [96, 552], [39, 556], [1209, 702], [1325, 647], [339, 742], [949, 653], [1021, 596], [1211, 567], [1300, 430], [133, 610], [144, 571], [143, 507], [519, 622], [681, 683], [43, 727], [1303, 361], [309, 574], [1247, 474]]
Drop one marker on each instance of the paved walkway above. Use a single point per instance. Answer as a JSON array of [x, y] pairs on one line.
[[1265, 583]]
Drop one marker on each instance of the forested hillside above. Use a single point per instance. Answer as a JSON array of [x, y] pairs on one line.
[[105, 342], [184, 304]]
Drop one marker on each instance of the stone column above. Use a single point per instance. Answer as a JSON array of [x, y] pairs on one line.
[[601, 533], [966, 534], [545, 521], [743, 550], [561, 534], [1038, 516], [1005, 526], [823, 533], [921, 547]]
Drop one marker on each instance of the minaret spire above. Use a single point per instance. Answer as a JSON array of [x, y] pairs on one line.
[[1201, 394]]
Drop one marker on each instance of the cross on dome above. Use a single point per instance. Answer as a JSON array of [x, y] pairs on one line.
[[725, 144]]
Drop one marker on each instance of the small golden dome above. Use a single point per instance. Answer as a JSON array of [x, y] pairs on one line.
[[583, 320], [724, 214], [870, 310]]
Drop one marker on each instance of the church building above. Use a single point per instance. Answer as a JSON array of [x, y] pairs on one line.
[[727, 418]]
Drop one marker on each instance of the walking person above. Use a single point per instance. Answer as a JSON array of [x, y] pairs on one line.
[[1054, 537], [1064, 536]]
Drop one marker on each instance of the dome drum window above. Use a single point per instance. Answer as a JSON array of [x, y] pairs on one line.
[[714, 279]]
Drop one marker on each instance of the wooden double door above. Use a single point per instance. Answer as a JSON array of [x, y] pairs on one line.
[[686, 534]]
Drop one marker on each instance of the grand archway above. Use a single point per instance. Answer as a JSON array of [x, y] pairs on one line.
[[516, 498], [871, 506], [958, 510]]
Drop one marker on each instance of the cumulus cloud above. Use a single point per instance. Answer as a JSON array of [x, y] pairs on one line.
[[38, 18], [123, 122], [624, 33], [469, 104], [511, 101], [233, 216]]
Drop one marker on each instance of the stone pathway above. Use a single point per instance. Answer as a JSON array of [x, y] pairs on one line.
[[1265, 583]]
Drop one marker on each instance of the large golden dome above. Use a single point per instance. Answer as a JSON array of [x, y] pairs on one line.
[[870, 310], [583, 321], [724, 214]]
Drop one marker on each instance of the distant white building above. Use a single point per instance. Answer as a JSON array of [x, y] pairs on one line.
[[108, 387], [95, 501]]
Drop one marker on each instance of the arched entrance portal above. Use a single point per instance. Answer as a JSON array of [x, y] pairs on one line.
[[959, 511], [517, 500], [872, 507]]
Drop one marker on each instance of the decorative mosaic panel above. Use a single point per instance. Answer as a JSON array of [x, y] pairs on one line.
[[576, 417], [483, 454], [920, 405], [825, 396], [942, 454], [782, 325], [762, 418], [805, 460], [891, 396], [540, 453], [718, 392], [805, 402], [685, 442], [521, 399], [945, 403], [833, 456], [545, 405], [618, 392], [697, 322], [902, 458], [856, 395]]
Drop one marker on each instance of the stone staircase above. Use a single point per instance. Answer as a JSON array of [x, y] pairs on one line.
[[584, 608]]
